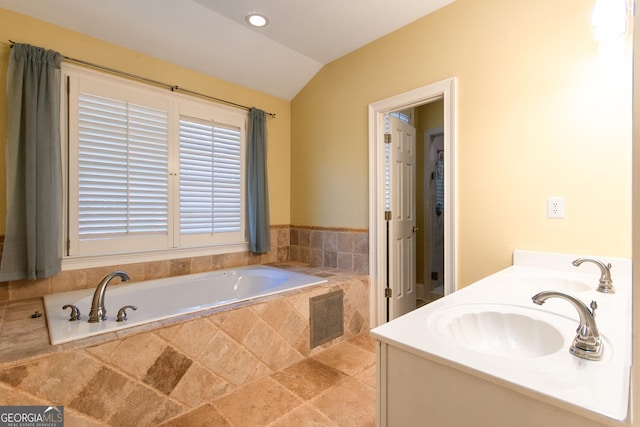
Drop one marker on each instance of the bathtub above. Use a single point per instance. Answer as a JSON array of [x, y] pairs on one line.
[[167, 298]]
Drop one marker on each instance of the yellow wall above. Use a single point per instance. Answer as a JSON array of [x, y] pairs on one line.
[[538, 115], [20, 28]]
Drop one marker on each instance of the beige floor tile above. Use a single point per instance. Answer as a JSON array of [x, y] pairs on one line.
[[346, 357], [257, 404], [349, 403], [365, 342], [76, 419], [308, 378], [304, 416], [367, 377], [144, 407], [204, 416], [56, 369]]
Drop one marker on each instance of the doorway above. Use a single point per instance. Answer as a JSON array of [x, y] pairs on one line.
[[431, 243], [379, 272]]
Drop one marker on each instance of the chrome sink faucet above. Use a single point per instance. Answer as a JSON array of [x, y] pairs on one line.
[[605, 285], [587, 344], [98, 313]]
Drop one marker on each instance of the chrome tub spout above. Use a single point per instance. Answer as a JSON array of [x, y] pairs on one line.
[[98, 312]]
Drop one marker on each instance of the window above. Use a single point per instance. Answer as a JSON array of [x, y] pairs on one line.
[[150, 170]]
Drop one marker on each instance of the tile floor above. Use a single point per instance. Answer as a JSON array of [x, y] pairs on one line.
[[335, 387]]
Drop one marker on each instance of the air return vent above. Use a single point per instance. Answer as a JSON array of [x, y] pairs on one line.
[[325, 317]]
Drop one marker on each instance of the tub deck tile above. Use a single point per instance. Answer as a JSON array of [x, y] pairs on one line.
[[190, 337], [259, 337], [143, 406], [167, 370], [103, 394], [199, 385], [201, 363], [238, 323], [134, 354]]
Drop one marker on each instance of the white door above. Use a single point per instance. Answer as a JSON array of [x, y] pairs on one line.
[[402, 229]]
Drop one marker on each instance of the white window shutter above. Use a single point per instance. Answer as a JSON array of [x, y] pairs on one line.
[[210, 177], [226, 180], [123, 168]]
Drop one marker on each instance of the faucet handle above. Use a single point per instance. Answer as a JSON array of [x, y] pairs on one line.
[[593, 305], [75, 312], [122, 313]]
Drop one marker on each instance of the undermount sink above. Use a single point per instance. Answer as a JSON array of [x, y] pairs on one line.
[[500, 330]]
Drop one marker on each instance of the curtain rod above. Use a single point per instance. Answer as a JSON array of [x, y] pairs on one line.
[[172, 88]]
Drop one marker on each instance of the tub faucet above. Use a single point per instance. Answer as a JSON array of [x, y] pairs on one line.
[[98, 313], [587, 344], [605, 285]]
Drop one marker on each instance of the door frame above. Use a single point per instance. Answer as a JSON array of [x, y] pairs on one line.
[[446, 90]]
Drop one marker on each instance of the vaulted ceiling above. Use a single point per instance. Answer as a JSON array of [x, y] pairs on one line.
[[212, 36]]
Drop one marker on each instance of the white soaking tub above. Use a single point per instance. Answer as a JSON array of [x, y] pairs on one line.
[[166, 298]]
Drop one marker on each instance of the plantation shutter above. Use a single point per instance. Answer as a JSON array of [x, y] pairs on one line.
[[210, 177], [150, 172], [123, 159]]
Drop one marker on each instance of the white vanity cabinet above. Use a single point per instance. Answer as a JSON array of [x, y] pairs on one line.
[[413, 390], [487, 356]]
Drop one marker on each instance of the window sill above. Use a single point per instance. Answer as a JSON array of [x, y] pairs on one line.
[[80, 262]]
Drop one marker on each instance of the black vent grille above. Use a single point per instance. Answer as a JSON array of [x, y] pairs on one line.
[[326, 317]]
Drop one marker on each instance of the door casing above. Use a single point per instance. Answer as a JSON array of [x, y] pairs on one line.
[[446, 90]]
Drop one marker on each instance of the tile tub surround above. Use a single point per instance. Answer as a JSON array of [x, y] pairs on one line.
[[342, 248], [153, 375], [89, 278]]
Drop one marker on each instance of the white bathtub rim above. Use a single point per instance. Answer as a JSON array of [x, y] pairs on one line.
[[57, 318]]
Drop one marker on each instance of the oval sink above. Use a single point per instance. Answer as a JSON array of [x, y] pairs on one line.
[[500, 330]]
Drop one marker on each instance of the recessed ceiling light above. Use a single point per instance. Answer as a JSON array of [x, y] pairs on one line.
[[256, 19]]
